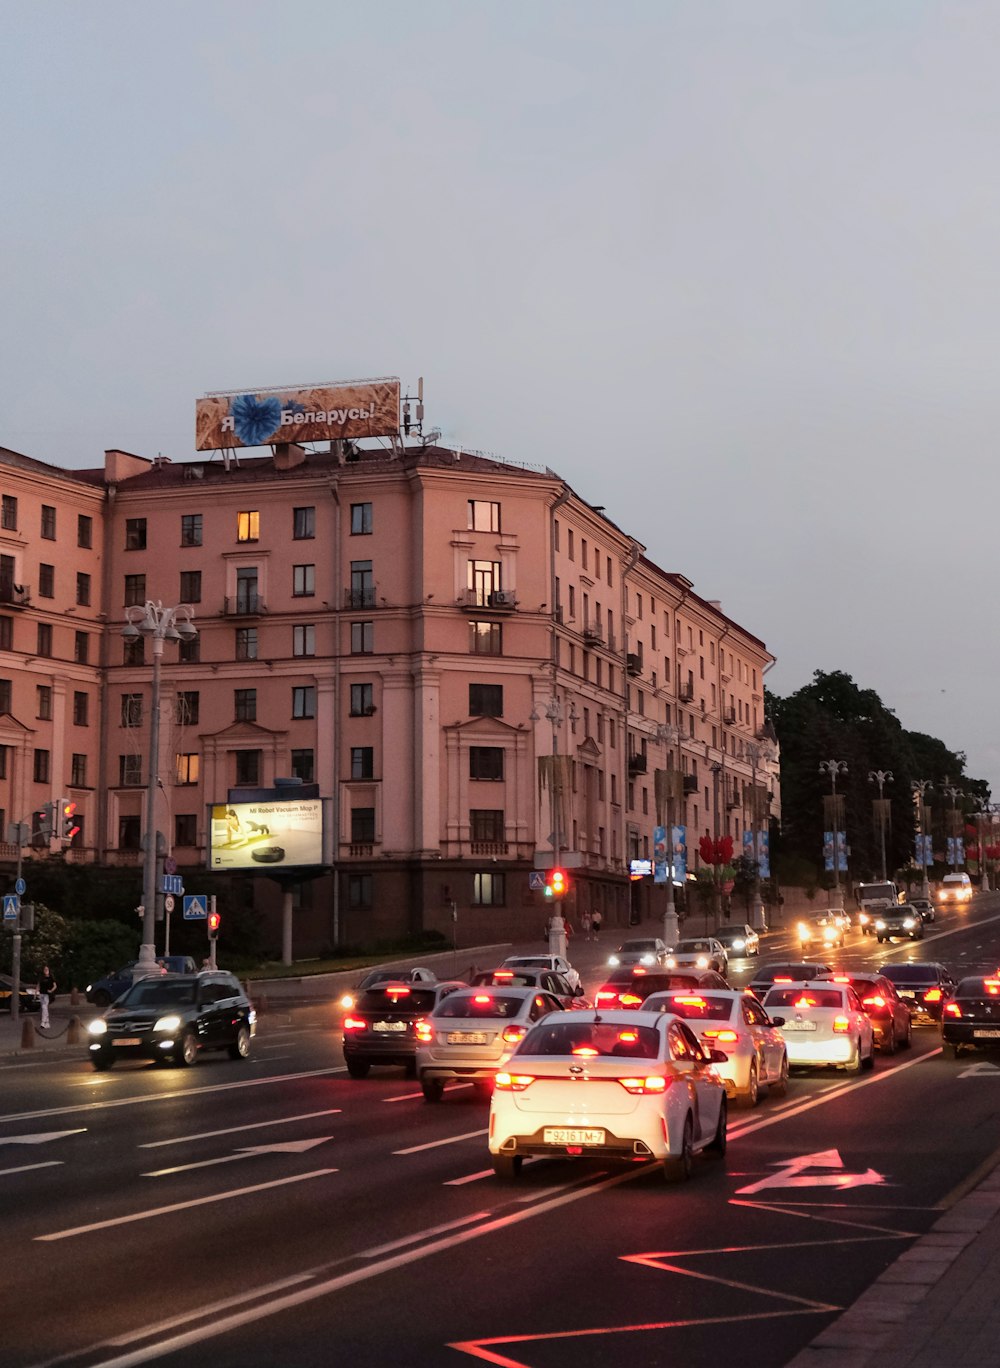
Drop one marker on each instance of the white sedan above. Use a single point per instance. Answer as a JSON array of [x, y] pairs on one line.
[[823, 1023], [735, 1023], [700, 952], [559, 964], [614, 1085]]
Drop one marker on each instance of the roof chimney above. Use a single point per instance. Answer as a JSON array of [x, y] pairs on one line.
[[288, 455]]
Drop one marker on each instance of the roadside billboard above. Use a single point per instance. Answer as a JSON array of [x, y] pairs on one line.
[[266, 836], [321, 413]]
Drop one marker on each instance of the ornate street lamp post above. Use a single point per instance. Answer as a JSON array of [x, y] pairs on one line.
[[881, 777], [757, 752], [920, 787], [557, 715], [834, 768]]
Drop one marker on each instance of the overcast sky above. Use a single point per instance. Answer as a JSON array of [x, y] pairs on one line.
[[729, 268]]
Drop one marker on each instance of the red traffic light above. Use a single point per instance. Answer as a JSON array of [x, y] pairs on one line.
[[557, 883], [214, 920]]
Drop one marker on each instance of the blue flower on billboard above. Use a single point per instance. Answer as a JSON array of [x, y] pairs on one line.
[[255, 420]]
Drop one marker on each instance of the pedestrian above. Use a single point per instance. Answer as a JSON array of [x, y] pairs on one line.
[[46, 992], [595, 922], [585, 924]]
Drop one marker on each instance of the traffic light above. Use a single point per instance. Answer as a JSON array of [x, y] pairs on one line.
[[46, 816], [556, 883], [214, 920], [68, 825]]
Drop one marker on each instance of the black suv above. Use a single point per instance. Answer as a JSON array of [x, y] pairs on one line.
[[173, 1018], [380, 1027]]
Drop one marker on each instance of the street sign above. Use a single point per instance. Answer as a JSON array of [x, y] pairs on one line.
[[11, 907], [195, 907], [168, 903], [20, 888], [536, 879], [173, 883], [170, 865]]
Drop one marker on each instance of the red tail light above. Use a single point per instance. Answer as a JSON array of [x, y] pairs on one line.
[[784, 980], [512, 1034], [841, 1024], [355, 1024], [724, 1037], [652, 1083], [952, 1009], [606, 997], [482, 999], [503, 973], [424, 1032], [691, 1002], [933, 995], [508, 1082], [804, 1001], [397, 991], [630, 1000], [877, 1001]]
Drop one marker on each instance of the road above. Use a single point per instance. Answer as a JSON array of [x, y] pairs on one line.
[[274, 1211]]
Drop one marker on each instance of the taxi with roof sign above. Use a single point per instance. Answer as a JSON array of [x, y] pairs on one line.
[[823, 1023]]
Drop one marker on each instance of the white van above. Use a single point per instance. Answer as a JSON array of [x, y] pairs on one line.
[[955, 888]]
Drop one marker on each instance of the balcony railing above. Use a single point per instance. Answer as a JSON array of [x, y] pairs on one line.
[[637, 763], [244, 605], [593, 632], [361, 849], [729, 715], [491, 600], [14, 595], [690, 783], [633, 663], [360, 598], [488, 848], [686, 693]]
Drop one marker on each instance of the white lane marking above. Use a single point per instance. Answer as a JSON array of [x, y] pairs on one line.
[[449, 1140], [983, 1068], [40, 1138], [235, 1130], [167, 1096], [248, 1152], [469, 1178], [793, 1173], [148, 1331], [423, 1235], [180, 1206], [408, 1097], [26, 1168]]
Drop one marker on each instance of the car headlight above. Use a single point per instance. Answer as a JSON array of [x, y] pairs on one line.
[[830, 933], [648, 959], [880, 925], [347, 1002], [739, 945], [98, 1027], [909, 923], [614, 961], [671, 962], [702, 961], [803, 931], [170, 1022]]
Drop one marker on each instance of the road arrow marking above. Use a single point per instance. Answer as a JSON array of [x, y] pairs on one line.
[[983, 1068], [791, 1174], [289, 1147], [40, 1138]]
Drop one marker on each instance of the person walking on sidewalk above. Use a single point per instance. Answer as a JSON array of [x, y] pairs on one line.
[[595, 922], [46, 991], [585, 924]]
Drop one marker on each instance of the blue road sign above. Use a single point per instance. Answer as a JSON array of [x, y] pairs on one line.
[[536, 878], [20, 888], [195, 907], [173, 883], [11, 906]]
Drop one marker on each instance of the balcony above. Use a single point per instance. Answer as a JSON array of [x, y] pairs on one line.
[[361, 850], [492, 848], [360, 598], [243, 605], [637, 763], [686, 693], [729, 716], [14, 595], [593, 632], [690, 783], [490, 600], [633, 663]]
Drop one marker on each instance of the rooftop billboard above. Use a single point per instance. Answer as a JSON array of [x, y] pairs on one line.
[[355, 408], [267, 835]]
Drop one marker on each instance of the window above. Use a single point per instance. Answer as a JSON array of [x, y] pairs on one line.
[[247, 767], [303, 523], [129, 833], [246, 589], [583, 552], [484, 581], [359, 891], [134, 652], [188, 767], [361, 519], [486, 824], [131, 710], [245, 705], [81, 647], [362, 638], [304, 700], [44, 700], [8, 513], [46, 581], [190, 529], [82, 589], [84, 530], [189, 652], [188, 708], [186, 829], [569, 543], [190, 586], [42, 767], [486, 700], [247, 527], [6, 634], [363, 824], [5, 695], [362, 762], [572, 601], [129, 769], [484, 516], [362, 585], [135, 590], [4, 773], [78, 770], [488, 890], [246, 643], [48, 522], [81, 709], [304, 765], [486, 638], [303, 580], [485, 762], [304, 639], [362, 702], [44, 645], [135, 534]]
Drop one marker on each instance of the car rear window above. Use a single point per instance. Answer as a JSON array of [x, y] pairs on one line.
[[688, 947], [804, 997], [692, 1006], [590, 1039], [480, 1005], [396, 996], [910, 973], [978, 988]]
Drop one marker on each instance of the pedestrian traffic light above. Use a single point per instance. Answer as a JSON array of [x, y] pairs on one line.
[[214, 919], [45, 821], [556, 883], [68, 825]]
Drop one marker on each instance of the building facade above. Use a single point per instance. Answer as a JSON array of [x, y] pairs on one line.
[[418, 634]]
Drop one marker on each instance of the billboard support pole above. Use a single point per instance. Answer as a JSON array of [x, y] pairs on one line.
[[286, 924]]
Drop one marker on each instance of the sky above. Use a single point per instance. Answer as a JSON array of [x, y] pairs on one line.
[[730, 269]]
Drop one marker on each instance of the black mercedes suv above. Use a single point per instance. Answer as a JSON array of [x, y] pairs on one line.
[[173, 1018]]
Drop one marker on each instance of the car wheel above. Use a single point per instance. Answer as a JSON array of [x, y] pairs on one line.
[[889, 1040], [780, 1085], [102, 999], [102, 1062], [751, 1097], [507, 1166], [432, 1089], [956, 1051], [240, 1048], [908, 1036], [868, 1062], [853, 1065], [679, 1168], [881, 940], [188, 1051], [358, 1068], [717, 1145]]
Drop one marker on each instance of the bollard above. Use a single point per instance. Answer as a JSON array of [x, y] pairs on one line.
[[74, 997], [27, 1034], [75, 1034]]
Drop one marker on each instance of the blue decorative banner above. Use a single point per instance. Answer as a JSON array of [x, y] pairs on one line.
[[659, 855], [679, 835]]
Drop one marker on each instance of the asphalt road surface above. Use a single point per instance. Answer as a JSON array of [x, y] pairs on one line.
[[275, 1211]]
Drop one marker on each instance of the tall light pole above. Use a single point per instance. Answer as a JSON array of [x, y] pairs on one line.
[[159, 624], [833, 768], [756, 752], [557, 715], [920, 787], [984, 811], [954, 793], [881, 777], [670, 736]]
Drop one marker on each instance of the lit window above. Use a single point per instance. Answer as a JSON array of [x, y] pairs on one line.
[[248, 527]]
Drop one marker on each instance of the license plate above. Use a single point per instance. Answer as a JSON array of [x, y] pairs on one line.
[[127, 1040], [799, 1026], [388, 1025], [468, 1038], [987, 1034], [558, 1136], [906, 992]]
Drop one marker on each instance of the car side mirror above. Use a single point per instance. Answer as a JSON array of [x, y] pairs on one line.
[[777, 1021], [578, 990]]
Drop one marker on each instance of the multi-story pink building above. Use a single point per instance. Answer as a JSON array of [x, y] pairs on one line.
[[410, 632]]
